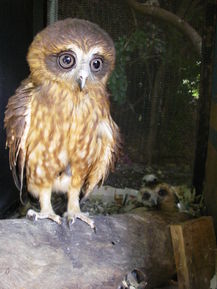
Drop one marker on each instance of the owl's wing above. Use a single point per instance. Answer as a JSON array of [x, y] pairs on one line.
[[17, 123], [109, 143]]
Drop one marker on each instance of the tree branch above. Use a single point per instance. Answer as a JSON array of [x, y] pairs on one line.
[[170, 18]]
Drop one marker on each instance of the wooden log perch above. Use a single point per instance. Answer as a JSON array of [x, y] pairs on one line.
[[45, 255]]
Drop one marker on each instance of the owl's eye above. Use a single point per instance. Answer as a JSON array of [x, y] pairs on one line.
[[162, 193], [66, 60], [146, 196], [96, 64]]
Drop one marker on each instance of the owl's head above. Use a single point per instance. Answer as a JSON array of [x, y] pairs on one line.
[[74, 52], [162, 196]]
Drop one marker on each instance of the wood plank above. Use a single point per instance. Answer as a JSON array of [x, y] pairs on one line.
[[194, 250]]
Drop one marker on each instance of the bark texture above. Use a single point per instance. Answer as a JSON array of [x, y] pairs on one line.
[[46, 255]]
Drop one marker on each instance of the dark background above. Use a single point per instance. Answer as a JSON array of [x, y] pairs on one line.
[[19, 21]]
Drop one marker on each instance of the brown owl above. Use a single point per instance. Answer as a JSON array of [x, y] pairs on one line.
[[59, 129], [162, 196]]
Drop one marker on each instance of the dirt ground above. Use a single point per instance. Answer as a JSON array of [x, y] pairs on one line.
[[129, 174]]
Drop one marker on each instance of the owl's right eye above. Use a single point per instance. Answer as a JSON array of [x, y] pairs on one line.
[[66, 60], [146, 196]]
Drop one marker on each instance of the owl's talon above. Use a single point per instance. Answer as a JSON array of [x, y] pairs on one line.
[[33, 215], [70, 223], [71, 217]]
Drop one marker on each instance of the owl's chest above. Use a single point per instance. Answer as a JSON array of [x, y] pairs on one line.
[[64, 126], [48, 123]]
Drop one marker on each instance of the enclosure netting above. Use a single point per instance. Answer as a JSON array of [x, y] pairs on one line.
[[154, 89]]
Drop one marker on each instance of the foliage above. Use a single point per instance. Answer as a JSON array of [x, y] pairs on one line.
[[150, 43], [190, 202], [192, 82], [140, 46], [140, 53]]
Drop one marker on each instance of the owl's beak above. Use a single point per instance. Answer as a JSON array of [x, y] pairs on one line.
[[154, 201], [81, 81]]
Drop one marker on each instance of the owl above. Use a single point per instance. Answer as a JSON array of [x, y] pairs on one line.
[[161, 196], [60, 133]]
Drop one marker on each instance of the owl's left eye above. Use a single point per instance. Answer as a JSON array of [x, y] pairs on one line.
[[96, 64], [66, 60]]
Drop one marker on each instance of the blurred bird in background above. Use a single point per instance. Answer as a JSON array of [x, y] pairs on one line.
[[161, 196]]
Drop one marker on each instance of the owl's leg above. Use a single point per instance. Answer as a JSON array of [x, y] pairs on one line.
[[46, 208], [73, 209]]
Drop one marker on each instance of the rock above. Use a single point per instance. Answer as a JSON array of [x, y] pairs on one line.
[[46, 255]]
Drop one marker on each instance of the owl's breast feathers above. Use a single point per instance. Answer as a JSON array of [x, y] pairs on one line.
[[50, 127]]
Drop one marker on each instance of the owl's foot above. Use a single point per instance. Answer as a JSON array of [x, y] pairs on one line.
[[33, 215], [71, 217]]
